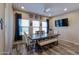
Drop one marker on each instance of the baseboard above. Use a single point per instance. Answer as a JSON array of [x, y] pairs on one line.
[[71, 42], [4, 53]]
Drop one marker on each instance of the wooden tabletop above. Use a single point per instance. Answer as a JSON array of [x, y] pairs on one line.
[[43, 36]]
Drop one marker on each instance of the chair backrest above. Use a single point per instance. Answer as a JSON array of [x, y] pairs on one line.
[[51, 33], [37, 33], [27, 39], [42, 32]]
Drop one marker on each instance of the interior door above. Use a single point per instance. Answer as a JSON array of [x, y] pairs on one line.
[[2, 15]]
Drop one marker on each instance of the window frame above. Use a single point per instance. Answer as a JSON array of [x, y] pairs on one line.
[[35, 26], [44, 26], [20, 26]]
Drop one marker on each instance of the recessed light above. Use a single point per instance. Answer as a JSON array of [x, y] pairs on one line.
[[48, 9], [49, 14], [65, 9], [22, 7]]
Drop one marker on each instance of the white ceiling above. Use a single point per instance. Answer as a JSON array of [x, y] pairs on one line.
[[58, 8]]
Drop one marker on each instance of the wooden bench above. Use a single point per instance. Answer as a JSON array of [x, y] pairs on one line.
[[49, 41]]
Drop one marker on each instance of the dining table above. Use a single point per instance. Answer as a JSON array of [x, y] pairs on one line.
[[39, 37]]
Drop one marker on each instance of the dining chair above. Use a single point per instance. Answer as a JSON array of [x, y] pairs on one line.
[[19, 47], [42, 32], [30, 44], [51, 33], [37, 33]]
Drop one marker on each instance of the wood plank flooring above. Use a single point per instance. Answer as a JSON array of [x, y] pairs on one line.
[[63, 48]]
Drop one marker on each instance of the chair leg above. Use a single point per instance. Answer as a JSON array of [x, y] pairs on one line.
[[56, 43]]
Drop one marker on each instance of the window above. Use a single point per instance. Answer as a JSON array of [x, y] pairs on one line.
[[36, 25], [23, 26], [44, 26]]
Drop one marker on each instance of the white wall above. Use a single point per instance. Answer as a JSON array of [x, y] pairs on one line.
[[9, 21], [2, 15], [70, 33]]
